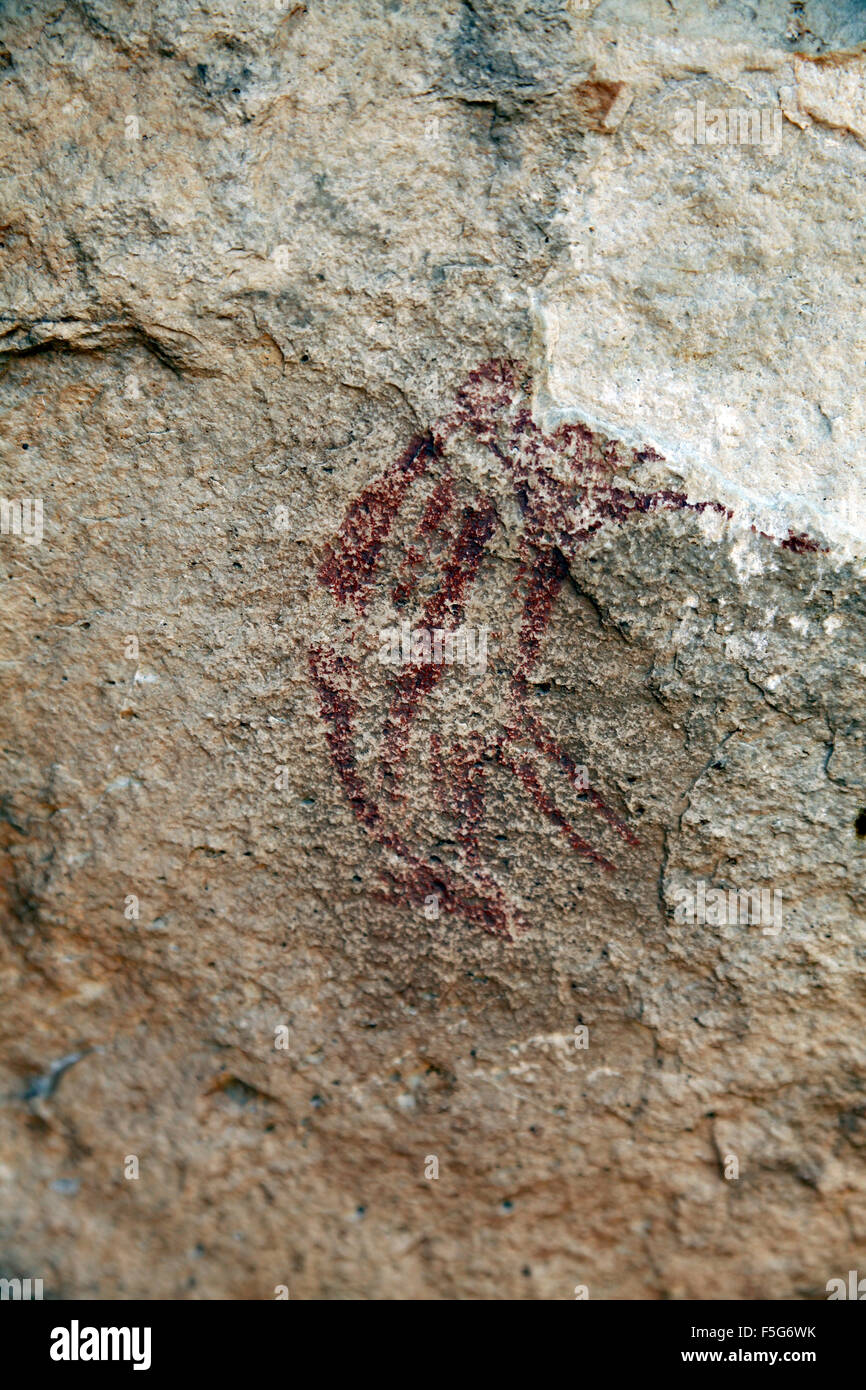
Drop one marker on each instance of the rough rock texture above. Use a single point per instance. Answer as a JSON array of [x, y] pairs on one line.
[[321, 318]]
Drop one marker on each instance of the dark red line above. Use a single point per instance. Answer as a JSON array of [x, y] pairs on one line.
[[349, 565], [443, 610], [528, 777]]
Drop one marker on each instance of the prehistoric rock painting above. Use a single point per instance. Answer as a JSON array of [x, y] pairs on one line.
[[566, 487]]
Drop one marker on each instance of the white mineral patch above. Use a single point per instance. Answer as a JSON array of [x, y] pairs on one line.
[[711, 301]]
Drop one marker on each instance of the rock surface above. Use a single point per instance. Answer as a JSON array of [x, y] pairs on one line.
[[321, 319]]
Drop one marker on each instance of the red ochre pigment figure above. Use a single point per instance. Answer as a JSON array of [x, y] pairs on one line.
[[557, 517]]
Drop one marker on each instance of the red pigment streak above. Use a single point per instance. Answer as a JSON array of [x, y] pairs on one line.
[[558, 517], [547, 745], [348, 567], [481, 901], [331, 675], [544, 803], [439, 504], [462, 565], [460, 788], [799, 543], [443, 610], [545, 581]]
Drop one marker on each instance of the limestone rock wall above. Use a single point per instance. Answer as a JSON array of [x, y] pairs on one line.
[[369, 977]]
